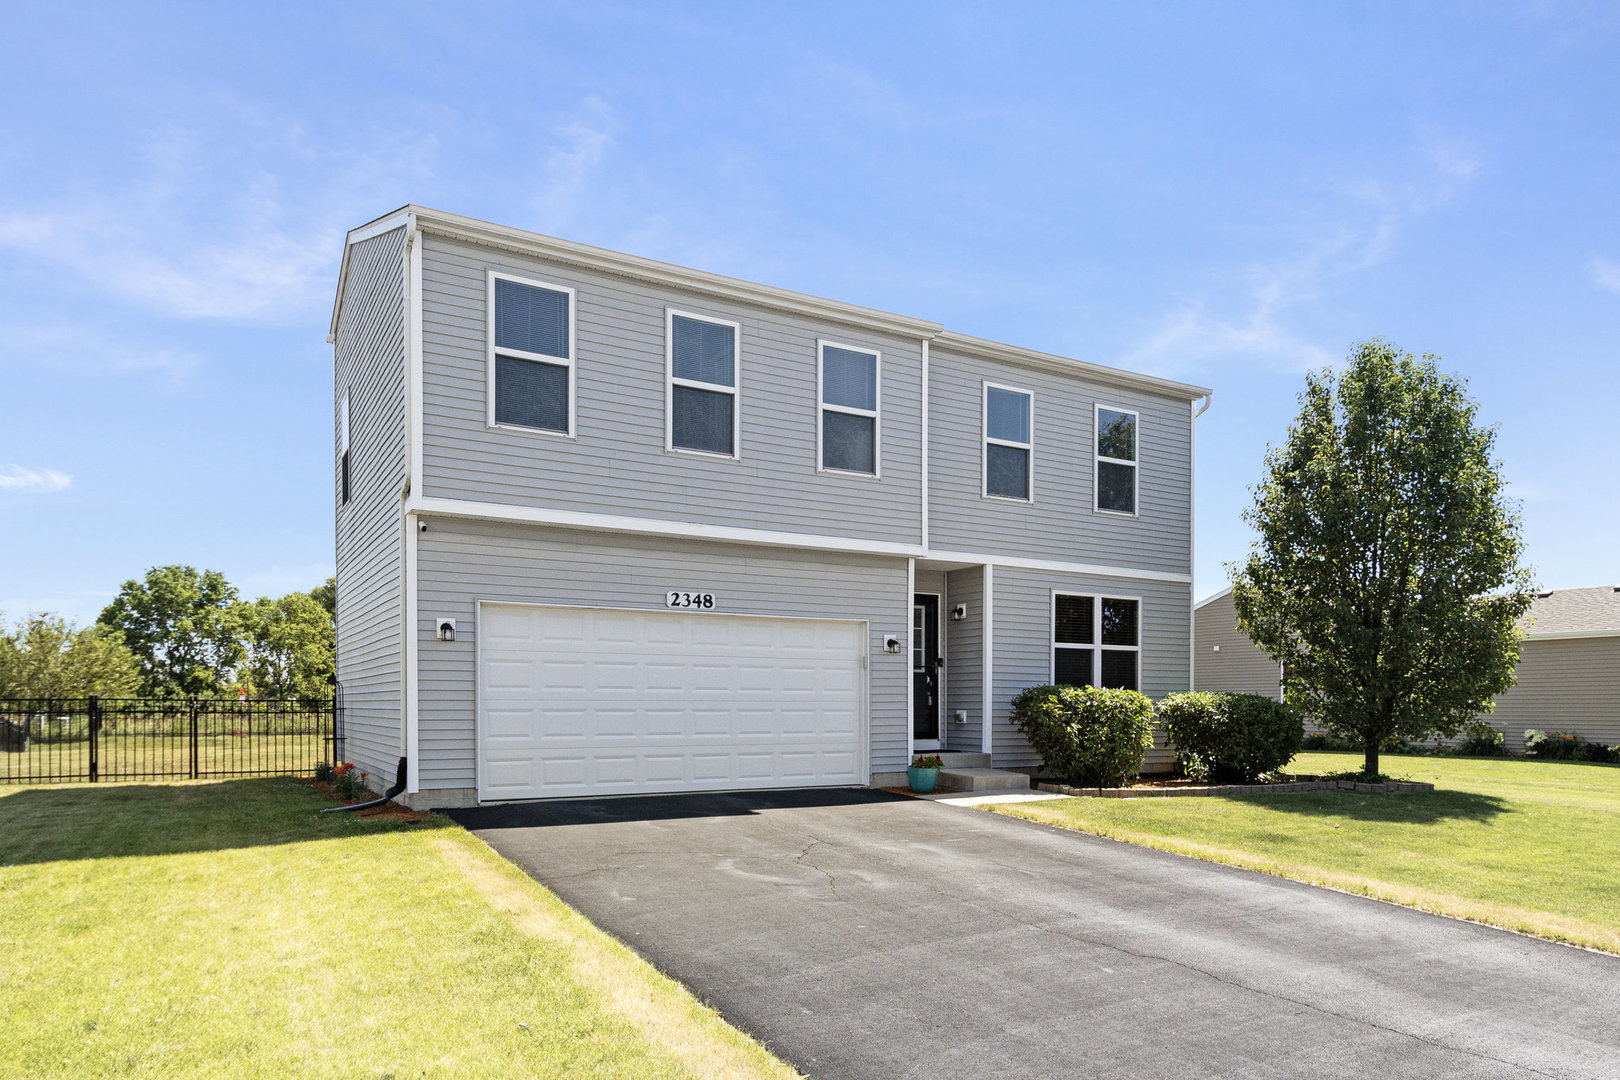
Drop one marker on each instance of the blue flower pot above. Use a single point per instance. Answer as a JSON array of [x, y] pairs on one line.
[[922, 780]]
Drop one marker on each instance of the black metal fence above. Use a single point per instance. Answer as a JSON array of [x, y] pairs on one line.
[[48, 741]]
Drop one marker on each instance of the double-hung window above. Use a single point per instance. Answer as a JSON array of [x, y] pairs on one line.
[[850, 392], [702, 411], [531, 355], [1116, 460], [343, 449], [1096, 641], [1009, 421]]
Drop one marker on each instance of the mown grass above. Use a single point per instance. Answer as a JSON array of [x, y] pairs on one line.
[[1527, 845], [226, 929]]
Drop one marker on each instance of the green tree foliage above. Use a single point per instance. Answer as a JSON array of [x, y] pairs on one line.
[[179, 624], [326, 596], [289, 644], [48, 657], [1386, 574]]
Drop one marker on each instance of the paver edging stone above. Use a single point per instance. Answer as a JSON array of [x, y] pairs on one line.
[[1297, 787]]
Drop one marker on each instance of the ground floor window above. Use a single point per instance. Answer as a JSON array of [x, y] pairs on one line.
[[1096, 640]]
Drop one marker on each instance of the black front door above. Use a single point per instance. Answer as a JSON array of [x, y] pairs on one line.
[[925, 668]]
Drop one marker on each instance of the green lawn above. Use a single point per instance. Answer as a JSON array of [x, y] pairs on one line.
[[227, 930], [1529, 845]]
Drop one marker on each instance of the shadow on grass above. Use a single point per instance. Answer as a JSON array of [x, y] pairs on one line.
[[96, 821], [1406, 808]]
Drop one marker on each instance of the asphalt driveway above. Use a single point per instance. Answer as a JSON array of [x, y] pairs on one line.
[[859, 934]]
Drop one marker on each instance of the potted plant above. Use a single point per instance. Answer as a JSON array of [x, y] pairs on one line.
[[923, 772]]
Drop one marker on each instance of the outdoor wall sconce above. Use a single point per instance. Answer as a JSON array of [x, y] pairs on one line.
[[958, 613], [891, 644], [447, 630]]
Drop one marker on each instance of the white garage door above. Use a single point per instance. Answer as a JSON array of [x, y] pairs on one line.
[[586, 701]]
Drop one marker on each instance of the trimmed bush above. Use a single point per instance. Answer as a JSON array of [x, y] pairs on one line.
[[1231, 738], [1479, 739], [1089, 736]]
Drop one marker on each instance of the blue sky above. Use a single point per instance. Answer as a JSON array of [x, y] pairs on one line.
[[1228, 194]]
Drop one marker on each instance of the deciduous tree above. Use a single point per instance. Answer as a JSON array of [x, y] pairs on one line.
[[178, 623], [1386, 574], [48, 657], [289, 647]]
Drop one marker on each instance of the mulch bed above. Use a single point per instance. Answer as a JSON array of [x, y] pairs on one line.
[[388, 811]]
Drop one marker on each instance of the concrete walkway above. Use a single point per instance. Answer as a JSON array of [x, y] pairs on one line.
[[859, 934]]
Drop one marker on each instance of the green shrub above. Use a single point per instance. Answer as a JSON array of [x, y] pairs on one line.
[[1566, 746], [1479, 739], [324, 772], [1231, 738], [1089, 736], [1321, 740]]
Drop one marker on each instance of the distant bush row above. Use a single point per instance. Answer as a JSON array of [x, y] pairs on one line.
[[1094, 737], [1479, 739]]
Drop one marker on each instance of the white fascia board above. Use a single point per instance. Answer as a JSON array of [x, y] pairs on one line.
[[1012, 354], [555, 249], [1059, 566], [1571, 635], [689, 530], [387, 223], [1211, 599], [575, 519]]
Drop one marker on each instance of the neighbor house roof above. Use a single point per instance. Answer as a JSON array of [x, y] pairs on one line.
[[485, 233], [1569, 613]]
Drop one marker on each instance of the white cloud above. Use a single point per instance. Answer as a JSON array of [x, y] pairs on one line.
[[1606, 274], [1252, 326], [16, 478], [217, 217], [566, 173]]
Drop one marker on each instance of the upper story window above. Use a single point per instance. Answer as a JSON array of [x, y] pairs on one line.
[[702, 410], [531, 355], [1096, 641], [1008, 446], [849, 408], [343, 449], [1116, 460]]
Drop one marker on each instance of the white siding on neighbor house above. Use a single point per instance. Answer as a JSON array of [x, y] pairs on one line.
[[462, 562], [964, 688], [1059, 523], [369, 366], [1240, 667], [617, 463], [1023, 645], [1571, 684]]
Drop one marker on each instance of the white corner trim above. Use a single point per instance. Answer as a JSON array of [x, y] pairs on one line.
[[925, 442], [911, 678], [988, 664], [412, 631], [413, 354]]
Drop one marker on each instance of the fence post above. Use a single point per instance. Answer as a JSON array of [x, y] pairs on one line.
[[194, 738], [95, 738]]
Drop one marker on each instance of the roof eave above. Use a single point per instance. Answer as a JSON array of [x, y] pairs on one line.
[[1132, 380]]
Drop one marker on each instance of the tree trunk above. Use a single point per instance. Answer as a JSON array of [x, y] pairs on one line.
[[1370, 766]]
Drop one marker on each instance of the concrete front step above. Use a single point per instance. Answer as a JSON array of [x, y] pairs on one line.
[[981, 779], [957, 759]]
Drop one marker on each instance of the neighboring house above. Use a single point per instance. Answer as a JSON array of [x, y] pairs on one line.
[[1224, 658], [607, 525], [1568, 677], [1569, 668]]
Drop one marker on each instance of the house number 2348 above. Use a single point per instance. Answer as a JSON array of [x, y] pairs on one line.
[[700, 600]]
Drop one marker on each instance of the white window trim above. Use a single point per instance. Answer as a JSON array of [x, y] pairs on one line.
[[1096, 647], [345, 490], [520, 354], [671, 382], [986, 441], [1098, 460], [823, 407]]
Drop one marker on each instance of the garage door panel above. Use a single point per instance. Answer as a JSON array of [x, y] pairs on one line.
[[577, 701]]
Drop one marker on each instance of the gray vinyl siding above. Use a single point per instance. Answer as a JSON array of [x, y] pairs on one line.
[[1059, 523], [462, 562], [1240, 667], [964, 666], [1563, 685], [617, 463], [1022, 642], [369, 363]]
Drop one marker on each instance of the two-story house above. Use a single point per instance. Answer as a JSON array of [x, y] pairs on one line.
[[608, 525]]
